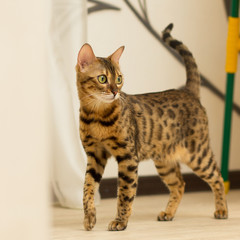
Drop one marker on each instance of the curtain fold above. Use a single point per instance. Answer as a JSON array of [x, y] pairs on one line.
[[67, 34]]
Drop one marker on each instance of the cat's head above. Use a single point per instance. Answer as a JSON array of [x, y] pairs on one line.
[[98, 79]]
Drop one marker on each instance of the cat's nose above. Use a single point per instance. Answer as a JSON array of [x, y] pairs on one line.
[[114, 92]]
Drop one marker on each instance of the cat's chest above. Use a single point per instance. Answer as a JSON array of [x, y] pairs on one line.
[[99, 132], [101, 128]]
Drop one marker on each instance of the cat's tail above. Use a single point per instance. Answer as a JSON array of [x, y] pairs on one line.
[[193, 76]]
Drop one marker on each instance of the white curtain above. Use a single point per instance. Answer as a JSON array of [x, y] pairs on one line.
[[67, 34]]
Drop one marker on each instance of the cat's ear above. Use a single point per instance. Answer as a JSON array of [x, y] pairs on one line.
[[116, 55], [85, 57]]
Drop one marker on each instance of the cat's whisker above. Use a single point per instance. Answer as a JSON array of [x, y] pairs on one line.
[[88, 96], [95, 104], [92, 103], [122, 100]]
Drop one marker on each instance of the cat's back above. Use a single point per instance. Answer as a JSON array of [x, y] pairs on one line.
[[170, 103]]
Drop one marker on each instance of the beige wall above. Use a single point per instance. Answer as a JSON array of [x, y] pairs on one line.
[[147, 66], [23, 121]]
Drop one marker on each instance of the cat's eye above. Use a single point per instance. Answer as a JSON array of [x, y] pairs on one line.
[[102, 79], [119, 80]]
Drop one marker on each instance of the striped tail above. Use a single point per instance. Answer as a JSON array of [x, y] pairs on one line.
[[193, 76]]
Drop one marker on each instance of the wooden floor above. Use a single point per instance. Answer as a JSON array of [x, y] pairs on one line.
[[194, 220]]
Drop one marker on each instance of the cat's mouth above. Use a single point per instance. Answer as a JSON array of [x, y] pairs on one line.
[[108, 98]]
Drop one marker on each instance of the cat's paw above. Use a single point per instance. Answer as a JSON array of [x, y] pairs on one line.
[[90, 221], [117, 225], [165, 217], [221, 214]]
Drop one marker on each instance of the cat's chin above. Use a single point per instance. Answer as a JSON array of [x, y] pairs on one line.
[[108, 100]]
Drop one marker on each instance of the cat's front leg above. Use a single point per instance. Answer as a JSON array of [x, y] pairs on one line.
[[127, 185], [95, 169]]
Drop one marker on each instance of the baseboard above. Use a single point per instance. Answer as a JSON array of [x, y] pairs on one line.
[[151, 185]]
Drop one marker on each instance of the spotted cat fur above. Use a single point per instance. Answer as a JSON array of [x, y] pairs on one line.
[[169, 127]]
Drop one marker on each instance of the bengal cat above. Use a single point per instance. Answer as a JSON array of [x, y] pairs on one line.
[[168, 127]]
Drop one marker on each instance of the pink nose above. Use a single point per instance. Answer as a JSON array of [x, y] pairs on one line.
[[114, 93]]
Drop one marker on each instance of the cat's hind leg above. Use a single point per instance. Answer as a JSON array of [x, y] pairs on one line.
[[171, 176], [204, 165]]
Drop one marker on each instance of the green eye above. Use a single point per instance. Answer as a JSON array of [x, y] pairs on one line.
[[119, 80], [102, 79]]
